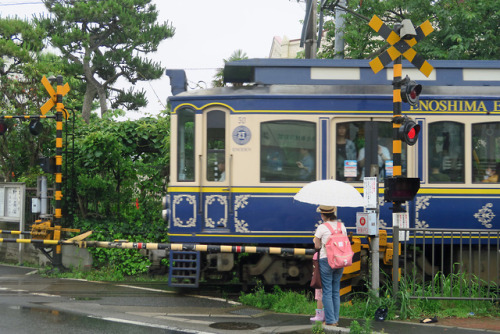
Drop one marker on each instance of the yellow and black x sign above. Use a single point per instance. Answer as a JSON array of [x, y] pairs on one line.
[[63, 90], [400, 46]]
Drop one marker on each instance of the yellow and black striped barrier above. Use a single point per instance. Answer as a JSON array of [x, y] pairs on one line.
[[176, 247], [14, 232], [195, 247], [26, 116], [354, 269], [31, 241]]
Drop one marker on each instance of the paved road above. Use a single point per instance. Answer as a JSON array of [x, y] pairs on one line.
[[33, 304]]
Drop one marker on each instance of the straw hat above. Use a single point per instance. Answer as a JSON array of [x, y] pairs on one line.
[[326, 209]]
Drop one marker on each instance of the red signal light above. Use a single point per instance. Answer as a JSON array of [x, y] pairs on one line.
[[409, 131], [412, 133], [3, 127], [410, 91], [35, 127]]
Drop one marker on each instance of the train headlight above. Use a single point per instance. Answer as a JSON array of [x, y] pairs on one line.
[[165, 203]]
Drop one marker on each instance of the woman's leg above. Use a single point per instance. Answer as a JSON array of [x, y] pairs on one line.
[[327, 285], [336, 277]]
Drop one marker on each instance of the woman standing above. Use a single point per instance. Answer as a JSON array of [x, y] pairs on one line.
[[330, 278]]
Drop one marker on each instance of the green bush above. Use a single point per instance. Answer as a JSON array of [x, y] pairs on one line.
[[278, 300]]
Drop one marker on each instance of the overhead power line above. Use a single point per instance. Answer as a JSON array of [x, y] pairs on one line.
[[21, 3]]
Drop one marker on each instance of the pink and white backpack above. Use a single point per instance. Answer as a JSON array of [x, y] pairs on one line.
[[338, 248]]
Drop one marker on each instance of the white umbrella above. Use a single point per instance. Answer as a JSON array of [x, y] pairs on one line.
[[331, 193]]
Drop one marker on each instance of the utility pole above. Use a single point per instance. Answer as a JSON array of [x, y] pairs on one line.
[[339, 30], [309, 30]]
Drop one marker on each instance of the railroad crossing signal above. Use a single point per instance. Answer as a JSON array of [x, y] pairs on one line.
[[400, 46], [3, 127], [53, 96], [408, 131], [410, 91], [401, 189]]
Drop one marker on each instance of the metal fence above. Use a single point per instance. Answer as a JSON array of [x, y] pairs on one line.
[[448, 263]]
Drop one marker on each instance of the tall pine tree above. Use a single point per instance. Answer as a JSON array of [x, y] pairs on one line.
[[107, 39]]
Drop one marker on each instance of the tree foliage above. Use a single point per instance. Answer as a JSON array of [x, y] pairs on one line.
[[106, 40], [114, 173], [218, 80], [121, 170], [20, 43], [463, 29]]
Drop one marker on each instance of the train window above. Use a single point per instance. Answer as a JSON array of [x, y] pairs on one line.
[[185, 145], [216, 146], [486, 152], [355, 140], [347, 153], [287, 151], [446, 152]]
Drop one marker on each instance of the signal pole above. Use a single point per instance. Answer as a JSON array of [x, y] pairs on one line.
[[56, 99], [399, 189], [58, 172]]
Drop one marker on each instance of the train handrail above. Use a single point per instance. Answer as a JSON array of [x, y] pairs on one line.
[[230, 174], [200, 205]]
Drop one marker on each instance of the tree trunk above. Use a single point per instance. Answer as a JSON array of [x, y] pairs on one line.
[[102, 100], [89, 97]]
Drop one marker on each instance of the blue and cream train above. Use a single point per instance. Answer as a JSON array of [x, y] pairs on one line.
[[236, 153]]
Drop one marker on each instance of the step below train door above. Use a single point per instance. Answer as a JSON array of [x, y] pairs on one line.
[[216, 175]]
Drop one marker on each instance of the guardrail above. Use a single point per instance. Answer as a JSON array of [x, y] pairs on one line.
[[450, 263]]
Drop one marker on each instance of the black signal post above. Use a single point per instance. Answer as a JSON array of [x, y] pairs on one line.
[[57, 100]]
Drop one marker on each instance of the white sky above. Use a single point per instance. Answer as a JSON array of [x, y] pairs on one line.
[[206, 32]]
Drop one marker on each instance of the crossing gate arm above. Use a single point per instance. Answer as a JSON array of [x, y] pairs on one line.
[[192, 247]]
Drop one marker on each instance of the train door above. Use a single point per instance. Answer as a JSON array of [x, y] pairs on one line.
[[364, 148], [216, 174]]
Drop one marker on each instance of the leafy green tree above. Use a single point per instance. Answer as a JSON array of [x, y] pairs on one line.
[[20, 43], [20, 94], [105, 39], [464, 29], [218, 80], [119, 163], [121, 170]]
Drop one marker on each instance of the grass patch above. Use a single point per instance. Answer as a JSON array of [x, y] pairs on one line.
[[278, 300], [104, 274], [364, 304]]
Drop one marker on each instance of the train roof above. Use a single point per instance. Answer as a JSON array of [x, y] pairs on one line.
[[345, 76]]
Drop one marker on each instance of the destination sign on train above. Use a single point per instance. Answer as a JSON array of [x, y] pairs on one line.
[[458, 105]]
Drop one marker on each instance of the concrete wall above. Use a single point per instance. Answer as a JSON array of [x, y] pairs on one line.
[[72, 256]]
